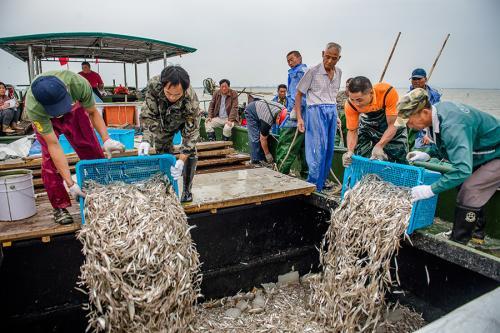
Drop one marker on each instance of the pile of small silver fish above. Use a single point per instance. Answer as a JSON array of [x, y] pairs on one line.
[[274, 308], [285, 308], [141, 269], [355, 254]]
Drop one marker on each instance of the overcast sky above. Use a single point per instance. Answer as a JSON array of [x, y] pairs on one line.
[[247, 41]]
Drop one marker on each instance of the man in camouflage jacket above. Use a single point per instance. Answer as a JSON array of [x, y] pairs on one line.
[[171, 105]]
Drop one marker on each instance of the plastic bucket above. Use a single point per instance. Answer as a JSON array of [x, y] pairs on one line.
[[17, 195]]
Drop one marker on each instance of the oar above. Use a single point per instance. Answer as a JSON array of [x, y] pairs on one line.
[[437, 58], [390, 56]]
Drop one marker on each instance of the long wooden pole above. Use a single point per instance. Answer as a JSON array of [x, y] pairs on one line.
[[437, 58], [390, 57]]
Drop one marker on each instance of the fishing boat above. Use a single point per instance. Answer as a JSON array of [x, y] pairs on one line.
[[98, 47], [262, 225]]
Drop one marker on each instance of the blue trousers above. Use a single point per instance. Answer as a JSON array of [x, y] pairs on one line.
[[253, 129], [320, 124]]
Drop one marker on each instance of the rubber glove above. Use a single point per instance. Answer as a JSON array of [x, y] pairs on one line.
[[269, 158], [75, 191], [176, 171], [421, 192], [111, 146], [347, 158], [378, 154], [143, 148], [417, 156]]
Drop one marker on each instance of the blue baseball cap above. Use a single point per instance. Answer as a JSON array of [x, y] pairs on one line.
[[51, 92], [418, 73]]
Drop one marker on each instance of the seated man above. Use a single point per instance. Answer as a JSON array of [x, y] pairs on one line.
[[370, 115], [260, 116], [94, 78], [420, 139], [223, 111]]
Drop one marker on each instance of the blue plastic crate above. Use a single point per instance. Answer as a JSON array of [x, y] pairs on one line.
[[125, 136], [423, 211], [126, 169]]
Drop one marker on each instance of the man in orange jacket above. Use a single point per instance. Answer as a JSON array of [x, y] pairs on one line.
[[370, 115]]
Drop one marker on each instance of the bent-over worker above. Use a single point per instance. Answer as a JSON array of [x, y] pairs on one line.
[[61, 102], [470, 140], [171, 105], [260, 116], [370, 114]]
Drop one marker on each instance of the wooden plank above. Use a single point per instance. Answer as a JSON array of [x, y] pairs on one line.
[[241, 187], [221, 168], [203, 148], [215, 153], [36, 163], [209, 145], [235, 158]]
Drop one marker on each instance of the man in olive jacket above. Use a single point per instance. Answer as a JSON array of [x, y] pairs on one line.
[[223, 111], [470, 140]]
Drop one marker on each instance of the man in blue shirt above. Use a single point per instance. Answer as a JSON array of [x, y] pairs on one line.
[[291, 142], [419, 139]]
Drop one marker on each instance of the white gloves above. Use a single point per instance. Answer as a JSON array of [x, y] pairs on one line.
[[269, 158], [176, 171], [417, 156], [378, 154], [111, 146], [143, 148], [75, 191], [347, 159], [421, 192]]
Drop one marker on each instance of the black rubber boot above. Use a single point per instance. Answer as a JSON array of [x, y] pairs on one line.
[[226, 138], [188, 176], [211, 136], [62, 216], [464, 224], [479, 234]]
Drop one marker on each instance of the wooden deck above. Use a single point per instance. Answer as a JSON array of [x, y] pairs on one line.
[[39, 226], [211, 191], [242, 187]]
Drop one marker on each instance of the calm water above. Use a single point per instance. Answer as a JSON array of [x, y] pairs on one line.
[[487, 100]]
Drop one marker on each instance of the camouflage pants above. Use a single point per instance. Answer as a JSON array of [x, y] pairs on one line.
[[396, 149]]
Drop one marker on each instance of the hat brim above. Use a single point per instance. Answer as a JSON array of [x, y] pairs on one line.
[[400, 122], [60, 108], [417, 77]]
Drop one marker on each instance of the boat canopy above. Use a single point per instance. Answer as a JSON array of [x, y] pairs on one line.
[[90, 45]]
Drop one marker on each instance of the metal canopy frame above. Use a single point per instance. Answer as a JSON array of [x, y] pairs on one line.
[[34, 49], [89, 45]]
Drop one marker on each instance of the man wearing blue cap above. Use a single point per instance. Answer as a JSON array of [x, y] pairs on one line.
[[420, 139], [61, 102]]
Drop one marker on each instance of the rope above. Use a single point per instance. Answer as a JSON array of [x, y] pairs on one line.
[[290, 148]]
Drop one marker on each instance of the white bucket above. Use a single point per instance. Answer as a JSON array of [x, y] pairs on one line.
[[17, 195]]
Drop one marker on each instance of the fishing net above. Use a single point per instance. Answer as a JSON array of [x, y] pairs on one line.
[[356, 252], [141, 268]]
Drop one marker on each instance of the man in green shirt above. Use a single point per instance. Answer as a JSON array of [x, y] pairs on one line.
[[61, 102], [470, 140]]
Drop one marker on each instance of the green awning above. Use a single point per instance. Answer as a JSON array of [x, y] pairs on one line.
[[90, 45]]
